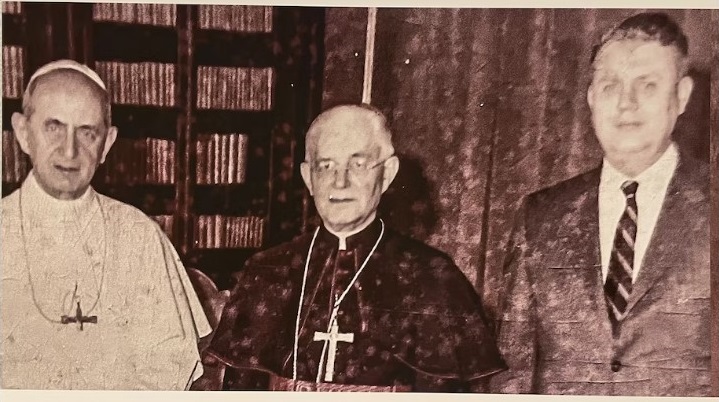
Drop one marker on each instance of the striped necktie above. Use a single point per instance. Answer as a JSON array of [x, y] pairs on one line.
[[618, 285]]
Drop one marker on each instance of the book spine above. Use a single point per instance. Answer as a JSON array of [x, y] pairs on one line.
[[244, 88], [201, 153], [269, 87], [218, 226], [6, 77], [216, 158], [232, 158], [173, 97], [224, 146], [173, 164], [242, 144], [203, 231]]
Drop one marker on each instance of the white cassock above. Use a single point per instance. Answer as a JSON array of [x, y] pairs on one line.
[[121, 268]]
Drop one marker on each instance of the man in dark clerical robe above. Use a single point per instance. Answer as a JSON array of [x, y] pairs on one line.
[[353, 306]]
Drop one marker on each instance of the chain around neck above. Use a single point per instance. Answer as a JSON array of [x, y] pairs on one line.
[[23, 237], [335, 309]]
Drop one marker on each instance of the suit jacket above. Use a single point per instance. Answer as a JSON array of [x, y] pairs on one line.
[[555, 332]]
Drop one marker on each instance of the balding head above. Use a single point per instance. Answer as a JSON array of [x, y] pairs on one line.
[[65, 127], [338, 119], [79, 82], [349, 163]]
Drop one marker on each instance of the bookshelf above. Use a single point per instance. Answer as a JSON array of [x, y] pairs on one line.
[[134, 48], [15, 164], [211, 103]]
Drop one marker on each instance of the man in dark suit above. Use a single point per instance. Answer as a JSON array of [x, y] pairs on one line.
[[608, 272]]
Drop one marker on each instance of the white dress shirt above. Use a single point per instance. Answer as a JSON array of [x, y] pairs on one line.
[[653, 183]]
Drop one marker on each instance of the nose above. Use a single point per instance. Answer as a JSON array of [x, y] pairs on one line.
[[628, 98], [340, 178], [69, 145]]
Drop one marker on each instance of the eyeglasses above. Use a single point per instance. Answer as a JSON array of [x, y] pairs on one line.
[[357, 166]]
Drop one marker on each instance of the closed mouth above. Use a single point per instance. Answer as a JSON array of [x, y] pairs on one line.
[[339, 200], [67, 169], [629, 124]]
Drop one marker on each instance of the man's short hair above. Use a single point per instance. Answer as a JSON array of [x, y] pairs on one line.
[[27, 107], [652, 26], [383, 134]]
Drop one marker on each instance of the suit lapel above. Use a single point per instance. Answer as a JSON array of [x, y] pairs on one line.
[[588, 210], [664, 252], [579, 236]]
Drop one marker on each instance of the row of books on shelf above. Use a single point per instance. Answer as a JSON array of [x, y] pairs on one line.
[[221, 158], [218, 231], [133, 161], [11, 7], [146, 14], [144, 83], [234, 88], [15, 163], [236, 18], [13, 71]]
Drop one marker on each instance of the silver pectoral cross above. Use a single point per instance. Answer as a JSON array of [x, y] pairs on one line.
[[333, 337]]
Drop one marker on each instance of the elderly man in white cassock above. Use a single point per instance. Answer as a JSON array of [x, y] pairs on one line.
[[94, 295]]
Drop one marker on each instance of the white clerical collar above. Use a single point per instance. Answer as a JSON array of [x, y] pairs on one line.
[[660, 171], [41, 205], [342, 236]]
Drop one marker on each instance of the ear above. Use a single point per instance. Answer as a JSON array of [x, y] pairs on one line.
[[590, 96], [684, 92], [306, 176], [391, 167], [19, 125], [109, 140]]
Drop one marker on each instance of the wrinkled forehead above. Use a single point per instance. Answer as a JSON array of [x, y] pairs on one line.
[[636, 56], [67, 90], [346, 133]]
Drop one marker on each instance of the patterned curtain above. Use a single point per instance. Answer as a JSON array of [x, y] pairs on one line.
[[486, 106]]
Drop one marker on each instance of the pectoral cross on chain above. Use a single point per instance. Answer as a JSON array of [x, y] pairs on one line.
[[333, 337], [78, 318]]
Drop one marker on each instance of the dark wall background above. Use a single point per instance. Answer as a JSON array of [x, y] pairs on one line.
[[488, 105]]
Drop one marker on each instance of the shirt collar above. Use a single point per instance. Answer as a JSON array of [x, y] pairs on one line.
[[39, 204], [660, 171], [366, 236]]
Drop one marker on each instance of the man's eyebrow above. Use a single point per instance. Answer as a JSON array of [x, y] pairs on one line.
[[54, 121], [89, 126]]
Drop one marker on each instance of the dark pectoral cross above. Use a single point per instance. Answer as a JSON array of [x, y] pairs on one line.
[[332, 337], [78, 318]]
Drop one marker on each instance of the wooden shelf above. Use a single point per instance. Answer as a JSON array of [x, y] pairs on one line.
[[231, 200], [13, 29], [234, 121], [135, 121], [234, 49], [134, 43]]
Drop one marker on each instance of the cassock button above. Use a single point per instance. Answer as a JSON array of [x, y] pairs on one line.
[[616, 365]]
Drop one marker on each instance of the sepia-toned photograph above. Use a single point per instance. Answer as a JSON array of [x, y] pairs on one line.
[[232, 197]]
